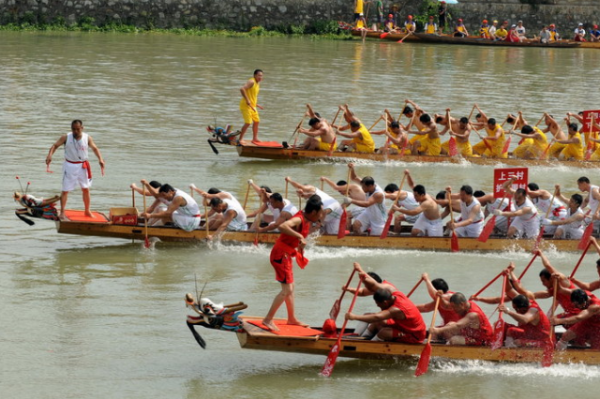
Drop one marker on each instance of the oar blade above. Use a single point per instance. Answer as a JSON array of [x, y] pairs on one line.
[[548, 356], [342, 226], [538, 240], [423, 364], [331, 359], [335, 310], [146, 242], [585, 238], [506, 146], [256, 240], [452, 148], [332, 147], [454, 242], [384, 35], [498, 340], [487, 229], [386, 228]]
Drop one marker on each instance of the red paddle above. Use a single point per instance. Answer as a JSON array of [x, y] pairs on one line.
[[384, 35], [332, 147], [498, 340], [344, 216], [587, 233], [488, 284], [335, 349], [452, 148], [548, 355], [146, 241], [335, 309], [415, 287], [423, 364], [489, 226], [454, 240], [580, 259], [388, 222], [528, 265], [506, 145], [539, 237]]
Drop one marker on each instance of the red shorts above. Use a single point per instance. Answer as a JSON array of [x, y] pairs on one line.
[[472, 337], [587, 332], [527, 338], [282, 263], [402, 336]]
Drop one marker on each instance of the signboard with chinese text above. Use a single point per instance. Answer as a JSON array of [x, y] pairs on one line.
[[504, 174]]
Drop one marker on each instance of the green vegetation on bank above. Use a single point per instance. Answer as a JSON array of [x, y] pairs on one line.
[[321, 28]]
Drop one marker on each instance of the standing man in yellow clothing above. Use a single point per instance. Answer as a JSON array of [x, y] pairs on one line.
[[574, 148], [358, 9], [249, 105], [534, 144]]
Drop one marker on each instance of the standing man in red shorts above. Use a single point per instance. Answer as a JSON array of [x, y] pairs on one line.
[[290, 244]]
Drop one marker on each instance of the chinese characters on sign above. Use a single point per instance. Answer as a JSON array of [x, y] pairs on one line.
[[502, 175]]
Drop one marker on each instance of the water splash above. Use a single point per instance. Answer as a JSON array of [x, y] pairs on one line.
[[482, 368]]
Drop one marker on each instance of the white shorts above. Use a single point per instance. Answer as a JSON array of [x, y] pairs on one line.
[[355, 211], [156, 222], [562, 215], [500, 224], [430, 228], [331, 223], [74, 175], [526, 229], [570, 232], [365, 223], [473, 230], [186, 222], [235, 225]]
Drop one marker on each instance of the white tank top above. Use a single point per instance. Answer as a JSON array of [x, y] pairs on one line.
[[191, 208], [287, 207], [377, 212], [466, 210], [499, 204], [576, 224], [328, 201], [409, 202], [235, 205], [529, 216], [543, 204], [593, 202], [76, 150]]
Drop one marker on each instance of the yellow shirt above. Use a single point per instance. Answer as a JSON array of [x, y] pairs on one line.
[[360, 24], [461, 28], [365, 139], [430, 27], [541, 143], [359, 7], [501, 33], [252, 94]]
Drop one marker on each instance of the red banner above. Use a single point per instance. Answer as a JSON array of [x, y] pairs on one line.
[[502, 175], [587, 121]]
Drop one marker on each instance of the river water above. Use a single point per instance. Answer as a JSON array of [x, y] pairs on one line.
[[97, 317]]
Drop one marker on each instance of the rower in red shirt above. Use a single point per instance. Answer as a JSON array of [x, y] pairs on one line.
[[585, 325], [399, 319], [472, 329], [446, 311]]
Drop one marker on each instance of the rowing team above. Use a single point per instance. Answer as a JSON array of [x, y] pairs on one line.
[[366, 209], [464, 323], [534, 141]]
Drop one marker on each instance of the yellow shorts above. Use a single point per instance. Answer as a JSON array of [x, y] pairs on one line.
[[326, 146], [364, 148], [249, 115], [570, 153], [556, 149], [429, 146]]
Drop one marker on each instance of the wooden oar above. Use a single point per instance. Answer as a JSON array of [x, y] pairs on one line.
[[548, 354], [133, 198], [206, 219], [298, 127], [415, 287], [146, 241], [344, 216], [258, 218], [402, 40], [488, 284], [332, 147], [374, 124], [423, 364], [580, 259], [590, 144], [545, 153], [535, 255], [454, 239], [539, 237], [498, 340], [587, 233], [286, 188], [246, 198], [335, 309], [335, 349], [489, 226], [388, 222]]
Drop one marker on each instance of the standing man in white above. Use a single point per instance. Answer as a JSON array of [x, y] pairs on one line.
[[76, 168]]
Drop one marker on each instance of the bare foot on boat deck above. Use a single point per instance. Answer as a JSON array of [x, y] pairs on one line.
[[270, 325], [296, 323], [242, 142], [89, 214], [63, 218]]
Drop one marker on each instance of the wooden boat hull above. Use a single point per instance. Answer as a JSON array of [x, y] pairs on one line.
[[442, 244], [377, 35], [251, 151], [255, 338]]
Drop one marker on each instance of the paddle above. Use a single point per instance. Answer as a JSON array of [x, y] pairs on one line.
[[286, 189], [548, 354], [376, 122], [146, 241], [344, 216], [335, 349], [587, 233], [246, 198], [489, 226], [335, 309], [580, 259], [545, 153], [454, 239], [133, 197], [529, 265], [423, 364], [332, 146], [298, 127], [258, 218], [388, 222], [498, 340], [415, 287], [384, 35], [539, 237], [590, 145], [452, 148], [402, 40], [206, 218], [488, 284]]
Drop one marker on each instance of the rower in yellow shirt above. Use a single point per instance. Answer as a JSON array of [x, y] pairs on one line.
[[534, 143], [574, 148], [430, 27], [409, 25], [360, 138], [461, 130], [429, 142]]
